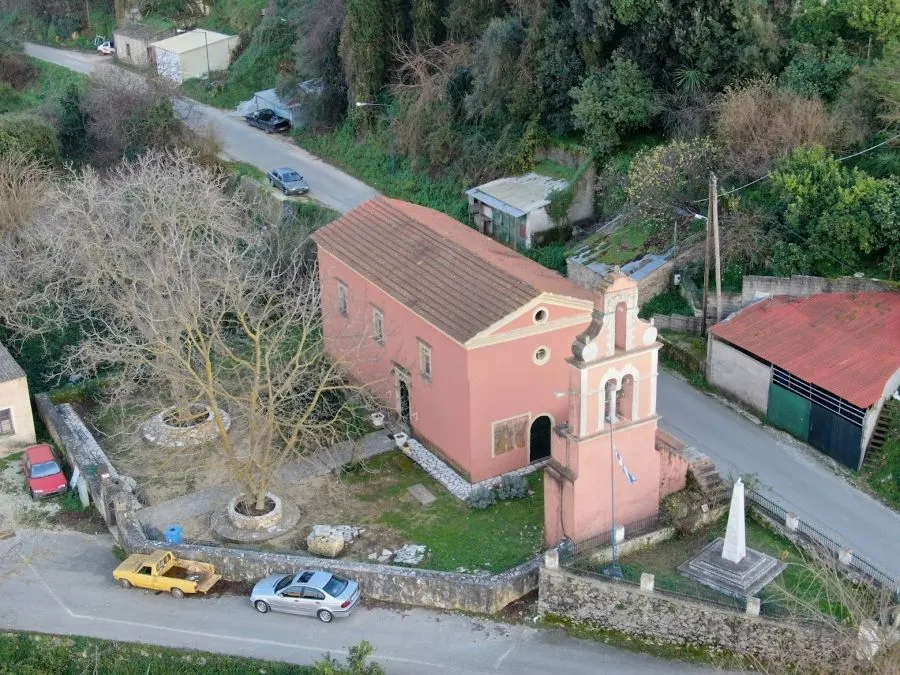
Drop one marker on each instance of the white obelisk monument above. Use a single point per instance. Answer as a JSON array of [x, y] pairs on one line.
[[735, 547]]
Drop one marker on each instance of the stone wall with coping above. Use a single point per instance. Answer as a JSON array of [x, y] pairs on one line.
[[666, 619], [800, 286], [388, 583], [112, 495]]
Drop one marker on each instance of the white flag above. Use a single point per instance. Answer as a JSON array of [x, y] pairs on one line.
[[630, 477]]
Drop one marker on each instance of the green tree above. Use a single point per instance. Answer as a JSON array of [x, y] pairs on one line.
[[496, 61], [365, 47], [838, 218], [814, 73], [879, 18], [558, 67], [29, 134], [71, 126], [612, 101]]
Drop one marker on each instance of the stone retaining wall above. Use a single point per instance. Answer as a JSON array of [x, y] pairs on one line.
[[388, 583], [666, 619]]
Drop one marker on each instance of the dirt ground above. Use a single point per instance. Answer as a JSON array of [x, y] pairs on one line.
[[18, 509], [161, 474], [325, 500]]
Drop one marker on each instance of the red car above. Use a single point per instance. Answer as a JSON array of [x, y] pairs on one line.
[[43, 475]]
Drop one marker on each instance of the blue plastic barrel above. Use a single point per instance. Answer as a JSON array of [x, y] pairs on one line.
[[172, 534]]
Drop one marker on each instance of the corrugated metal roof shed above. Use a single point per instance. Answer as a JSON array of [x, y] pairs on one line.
[[452, 276], [9, 369], [845, 343], [518, 195]]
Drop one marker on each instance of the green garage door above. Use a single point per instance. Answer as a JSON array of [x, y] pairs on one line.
[[788, 411]]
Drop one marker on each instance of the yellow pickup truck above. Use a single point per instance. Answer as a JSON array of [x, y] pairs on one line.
[[162, 571]]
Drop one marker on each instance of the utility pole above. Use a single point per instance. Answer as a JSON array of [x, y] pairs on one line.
[[714, 198], [706, 263]]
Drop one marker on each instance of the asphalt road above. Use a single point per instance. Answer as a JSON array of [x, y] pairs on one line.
[[61, 583], [330, 186], [789, 470]]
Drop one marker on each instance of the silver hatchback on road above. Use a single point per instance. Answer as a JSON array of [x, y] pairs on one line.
[[319, 594]]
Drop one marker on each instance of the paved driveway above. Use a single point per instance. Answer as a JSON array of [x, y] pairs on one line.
[[66, 588], [789, 470], [330, 186]]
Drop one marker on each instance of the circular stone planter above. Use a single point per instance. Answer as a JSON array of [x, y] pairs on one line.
[[232, 525], [261, 522], [165, 430]]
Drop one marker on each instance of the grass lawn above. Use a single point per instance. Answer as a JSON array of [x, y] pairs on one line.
[[670, 302], [627, 243], [371, 162], [547, 167], [795, 588], [244, 169], [881, 472], [36, 653], [495, 539], [51, 81]]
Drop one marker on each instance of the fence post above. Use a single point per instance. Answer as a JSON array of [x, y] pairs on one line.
[[792, 522], [551, 559], [753, 605], [845, 556], [647, 582]]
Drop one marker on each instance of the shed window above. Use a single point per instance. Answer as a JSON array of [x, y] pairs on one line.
[[6, 424]]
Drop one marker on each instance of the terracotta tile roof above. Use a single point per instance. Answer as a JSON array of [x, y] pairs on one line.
[[452, 276], [9, 369], [846, 343]]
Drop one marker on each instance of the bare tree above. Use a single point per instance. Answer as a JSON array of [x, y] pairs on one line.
[[863, 617], [24, 181], [182, 302]]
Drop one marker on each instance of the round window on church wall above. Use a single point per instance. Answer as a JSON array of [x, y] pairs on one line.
[[540, 316], [541, 355]]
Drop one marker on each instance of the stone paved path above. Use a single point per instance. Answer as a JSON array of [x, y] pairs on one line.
[[320, 463]]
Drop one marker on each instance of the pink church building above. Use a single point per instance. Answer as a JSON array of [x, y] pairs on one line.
[[466, 339]]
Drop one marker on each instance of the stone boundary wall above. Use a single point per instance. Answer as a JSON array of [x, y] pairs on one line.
[[666, 619], [113, 497], [801, 286]]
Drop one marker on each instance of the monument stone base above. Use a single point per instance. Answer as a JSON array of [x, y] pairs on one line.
[[740, 580]]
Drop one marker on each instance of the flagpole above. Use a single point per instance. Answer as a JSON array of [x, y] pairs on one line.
[[613, 570]]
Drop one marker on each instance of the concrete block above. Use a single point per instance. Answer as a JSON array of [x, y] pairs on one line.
[[753, 605], [647, 582], [792, 522], [551, 559], [845, 556]]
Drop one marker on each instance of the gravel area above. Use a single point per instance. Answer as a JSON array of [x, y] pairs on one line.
[[17, 509]]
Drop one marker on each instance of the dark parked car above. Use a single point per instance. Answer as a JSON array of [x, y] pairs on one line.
[[268, 121], [288, 181]]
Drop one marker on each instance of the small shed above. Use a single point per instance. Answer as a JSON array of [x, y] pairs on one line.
[[194, 53], [16, 421], [513, 210], [133, 42]]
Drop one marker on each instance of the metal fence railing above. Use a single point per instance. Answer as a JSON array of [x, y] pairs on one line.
[[820, 540], [577, 556], [633, 529]]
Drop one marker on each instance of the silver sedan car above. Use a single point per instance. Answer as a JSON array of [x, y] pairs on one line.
[[320, 594], [287, 180]]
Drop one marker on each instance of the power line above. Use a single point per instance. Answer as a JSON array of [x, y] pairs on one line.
[[762, 178]]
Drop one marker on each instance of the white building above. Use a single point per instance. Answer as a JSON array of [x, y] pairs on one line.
[[193, 54], [16, 421], [513, 210]]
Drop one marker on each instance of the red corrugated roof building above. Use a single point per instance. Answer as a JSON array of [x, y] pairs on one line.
[[845, 343]]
